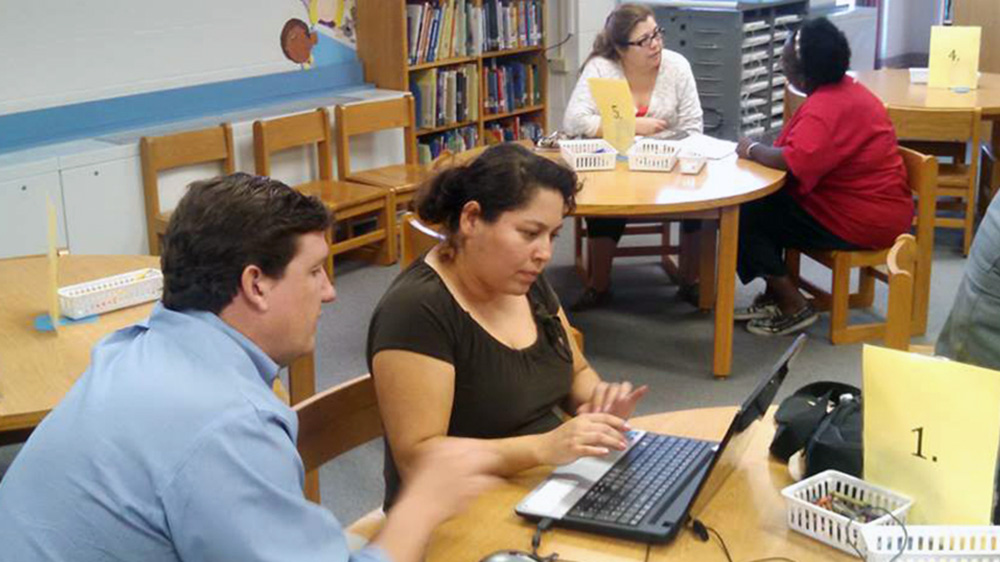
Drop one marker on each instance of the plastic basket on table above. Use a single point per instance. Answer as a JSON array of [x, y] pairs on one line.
[[653, 155], [588, 154], [691, 163], [933, 543], [111, 293], [832, 528]]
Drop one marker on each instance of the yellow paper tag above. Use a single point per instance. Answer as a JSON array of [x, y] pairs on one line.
[[53, 280], [614, 101], [954, 57], [931, 431]]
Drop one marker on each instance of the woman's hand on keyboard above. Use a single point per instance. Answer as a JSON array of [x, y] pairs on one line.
[[586, 435], [615, 398]]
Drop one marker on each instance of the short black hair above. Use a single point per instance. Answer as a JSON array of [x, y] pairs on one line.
[[503, 178], [823, 53], [225, 224]]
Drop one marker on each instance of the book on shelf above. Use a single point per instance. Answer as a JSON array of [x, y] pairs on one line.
[[512, 129], [445, 29], [511, 86], [445, 96], [455, 140]]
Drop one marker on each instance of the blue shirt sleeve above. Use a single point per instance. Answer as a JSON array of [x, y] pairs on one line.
[[238, 496]]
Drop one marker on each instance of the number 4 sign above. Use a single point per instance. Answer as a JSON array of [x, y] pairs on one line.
[[931, 431], [954, 57]]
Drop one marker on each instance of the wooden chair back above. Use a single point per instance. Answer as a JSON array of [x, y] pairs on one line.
[[942, 125], [417, 238], [792, 102], [166, 152], [334, 422], [361, 118], [274, 135], [900, 264]]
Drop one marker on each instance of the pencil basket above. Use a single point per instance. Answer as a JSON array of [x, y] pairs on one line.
[[111, 293], [937, 543], [588, 154], [652, 155], [833, 528]]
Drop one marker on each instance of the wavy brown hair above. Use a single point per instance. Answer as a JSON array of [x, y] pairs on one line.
[[617, 29]]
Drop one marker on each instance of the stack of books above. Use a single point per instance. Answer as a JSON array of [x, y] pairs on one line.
[[512, 129], [455, 140], [444, 29], [511, 85], [444, 96]]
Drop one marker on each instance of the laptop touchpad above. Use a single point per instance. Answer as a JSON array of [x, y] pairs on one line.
[[554, 498]]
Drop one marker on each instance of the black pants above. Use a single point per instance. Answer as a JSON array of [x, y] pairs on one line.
[[599, 227], [770, 225]]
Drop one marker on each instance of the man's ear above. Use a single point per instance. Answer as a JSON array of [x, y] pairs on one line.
[[254, 287], [472, 213]]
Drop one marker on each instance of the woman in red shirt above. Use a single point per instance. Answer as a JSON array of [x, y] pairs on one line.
[[847, 184]]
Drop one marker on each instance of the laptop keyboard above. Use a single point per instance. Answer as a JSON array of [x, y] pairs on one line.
[[655, 468]]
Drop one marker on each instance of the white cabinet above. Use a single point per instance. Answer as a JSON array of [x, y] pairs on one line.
[[23, 216], [105, 211]]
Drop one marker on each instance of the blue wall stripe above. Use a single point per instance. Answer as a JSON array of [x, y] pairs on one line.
[[28, 129]]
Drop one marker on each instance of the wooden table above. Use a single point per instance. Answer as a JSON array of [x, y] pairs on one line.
[[748, 511], [892, 86], [716, 193], [38, 368]]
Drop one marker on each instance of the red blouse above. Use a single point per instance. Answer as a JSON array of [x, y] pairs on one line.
[[841, 149]]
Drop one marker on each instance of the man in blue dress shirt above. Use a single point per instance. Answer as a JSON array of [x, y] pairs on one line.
[[172, 446]]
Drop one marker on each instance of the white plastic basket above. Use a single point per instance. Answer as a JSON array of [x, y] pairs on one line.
[[653, 155], [111, 293], [691, 163], [832, 528], [588, 154], [937, 543]]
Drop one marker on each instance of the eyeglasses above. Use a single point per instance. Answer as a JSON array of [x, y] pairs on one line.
[[647, 40]]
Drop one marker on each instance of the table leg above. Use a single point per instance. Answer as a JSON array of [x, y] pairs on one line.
[[725, 294]]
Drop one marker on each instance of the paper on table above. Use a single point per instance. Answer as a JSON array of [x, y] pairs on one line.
[[954, 56], [709, 147], [53, 277], [614, 101], [931, 432]]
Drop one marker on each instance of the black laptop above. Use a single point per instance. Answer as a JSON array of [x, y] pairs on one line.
[[647, 491]]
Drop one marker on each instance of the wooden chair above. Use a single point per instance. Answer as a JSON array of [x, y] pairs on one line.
[[368, 117], [922, 174], [792, 101], [334, 422], [348, 201], [418, 238], [167, 152], [900, 265], [956, 182]]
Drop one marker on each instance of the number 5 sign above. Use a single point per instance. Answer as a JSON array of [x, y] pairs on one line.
[[931, 431], [954, 57]]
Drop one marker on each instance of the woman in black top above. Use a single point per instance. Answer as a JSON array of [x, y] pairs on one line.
[[470, 341]]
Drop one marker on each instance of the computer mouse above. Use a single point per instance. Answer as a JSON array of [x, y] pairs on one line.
[[509, 556]]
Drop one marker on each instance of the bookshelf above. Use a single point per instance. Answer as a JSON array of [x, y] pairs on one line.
[[491, 85]]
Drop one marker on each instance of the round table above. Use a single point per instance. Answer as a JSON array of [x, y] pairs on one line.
[[715, 194], [892, 86], [38, 368], [748, 511]]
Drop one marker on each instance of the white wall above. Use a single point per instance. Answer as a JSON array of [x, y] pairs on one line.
[[55, 52], [906, 26]]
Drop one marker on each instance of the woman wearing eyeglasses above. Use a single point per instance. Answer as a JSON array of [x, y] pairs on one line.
[[470, 340], [663, 88]]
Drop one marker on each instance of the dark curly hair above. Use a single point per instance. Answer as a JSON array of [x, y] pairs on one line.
[[503, 178], [822, 53], [224, 224]]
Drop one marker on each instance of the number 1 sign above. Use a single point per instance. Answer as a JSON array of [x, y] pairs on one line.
[[931, 431]]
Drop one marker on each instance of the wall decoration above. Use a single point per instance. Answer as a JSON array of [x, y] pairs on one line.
[[325, 37]]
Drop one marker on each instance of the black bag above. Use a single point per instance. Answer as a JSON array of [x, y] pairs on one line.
[[827, 426]]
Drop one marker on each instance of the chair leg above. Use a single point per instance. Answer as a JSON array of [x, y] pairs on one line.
[[707, 246], [793, 262], [578, 255], [840, 295], [330, 236], [866, 289], [387, 252], [970, 218]]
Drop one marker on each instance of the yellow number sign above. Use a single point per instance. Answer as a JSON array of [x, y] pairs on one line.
[[931, 431], [614, 100], [954, 57]]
